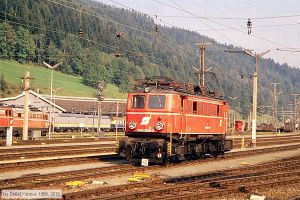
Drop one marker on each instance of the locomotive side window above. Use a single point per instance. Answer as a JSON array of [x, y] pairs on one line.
[[194, 107], [218, 110], [157, 101], [138, 101]]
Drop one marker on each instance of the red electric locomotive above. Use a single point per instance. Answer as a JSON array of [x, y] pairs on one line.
[[36, 119], [14, 117], [166, 120], [6, 116]]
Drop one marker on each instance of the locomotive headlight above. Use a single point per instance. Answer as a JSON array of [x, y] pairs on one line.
[[159, 155], [132, 125], [159, 126]]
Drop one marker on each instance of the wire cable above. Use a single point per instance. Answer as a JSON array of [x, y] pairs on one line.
[[205, 18]]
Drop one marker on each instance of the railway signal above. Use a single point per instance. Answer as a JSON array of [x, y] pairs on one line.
[[100, 98]]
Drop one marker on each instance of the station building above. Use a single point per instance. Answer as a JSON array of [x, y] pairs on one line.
[[67, 104]]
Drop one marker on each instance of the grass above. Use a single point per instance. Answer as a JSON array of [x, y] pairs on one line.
[[67, 85]]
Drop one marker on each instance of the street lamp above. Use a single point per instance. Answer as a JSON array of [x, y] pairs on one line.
[[55, 92], [254, 108], [52, 68], [51, 90], [233, 106]]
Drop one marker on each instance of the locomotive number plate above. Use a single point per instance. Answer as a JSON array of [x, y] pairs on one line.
[[145, 162], [144, 130]]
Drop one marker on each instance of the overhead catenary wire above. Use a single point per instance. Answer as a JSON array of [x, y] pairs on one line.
[[231, 18], [169, 41], [117, 23], [221, 24], [258, 26], [154, 17], [221, 34]]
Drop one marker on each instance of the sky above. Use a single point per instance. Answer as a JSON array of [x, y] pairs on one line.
[[275, 23]]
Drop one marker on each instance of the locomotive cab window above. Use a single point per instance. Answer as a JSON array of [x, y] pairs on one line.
[[157, 101], [138, 101], [8, 113]]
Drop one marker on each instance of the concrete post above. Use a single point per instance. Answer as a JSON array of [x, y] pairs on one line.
[[254, 109], [9, 132], [26, 105]]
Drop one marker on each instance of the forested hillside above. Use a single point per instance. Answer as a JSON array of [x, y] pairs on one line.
[[82, 34]]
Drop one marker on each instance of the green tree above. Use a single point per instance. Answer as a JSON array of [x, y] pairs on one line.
[[7, 40], [53, 54], [24, 46], [74, 54], [3, 83]]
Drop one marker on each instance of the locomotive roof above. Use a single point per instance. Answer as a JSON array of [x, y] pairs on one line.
[[167, 85], [157, 91]]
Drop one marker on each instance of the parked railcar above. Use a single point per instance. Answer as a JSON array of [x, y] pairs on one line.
[[171, 121], [75, 122], [264, 127], [289, 127], [118, 123], [239, 125]]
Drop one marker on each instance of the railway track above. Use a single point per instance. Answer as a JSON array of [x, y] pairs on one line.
[[44, 152], [59, 179], [203, 186], [7, 167], [58, 141], [265, 141]]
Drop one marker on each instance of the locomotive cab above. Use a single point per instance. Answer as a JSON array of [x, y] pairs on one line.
[[150, 112]]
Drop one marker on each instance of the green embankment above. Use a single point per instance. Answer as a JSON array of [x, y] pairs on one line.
[[66, 85]]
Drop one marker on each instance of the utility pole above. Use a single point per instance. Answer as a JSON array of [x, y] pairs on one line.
[[283, 114], [268, 112], [117, 114], [26, 80], [254, 108], [202, 64], [295, 107], [201, 70], [100, 99], [275, 103]]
